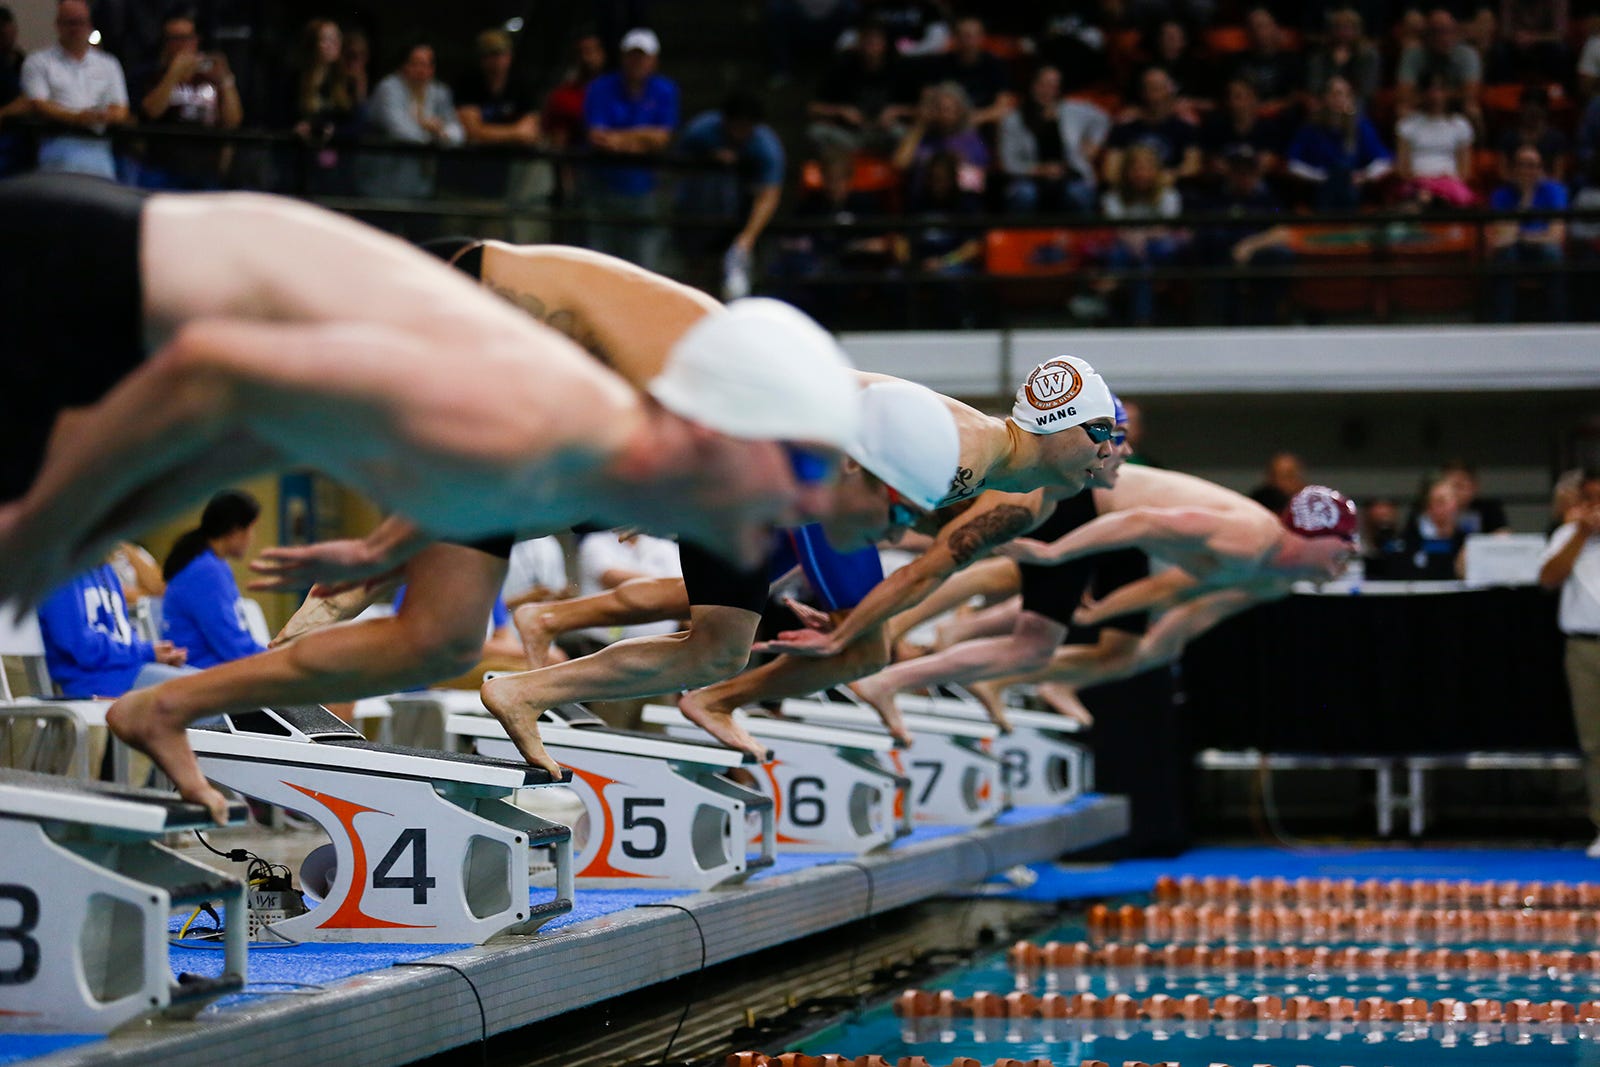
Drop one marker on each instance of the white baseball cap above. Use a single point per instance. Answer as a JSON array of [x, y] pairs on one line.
[[641, 40], [908, 441], [765, 371], [1062, 393]]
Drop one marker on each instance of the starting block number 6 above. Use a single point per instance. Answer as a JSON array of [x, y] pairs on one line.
[[17, 933]]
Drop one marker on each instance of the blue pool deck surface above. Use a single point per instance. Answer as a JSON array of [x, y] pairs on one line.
[[299, 969]]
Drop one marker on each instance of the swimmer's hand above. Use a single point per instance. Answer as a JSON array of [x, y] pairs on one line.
[[1028, 550], [1088, 613], [801, 643], [811, 618], [330, 566]]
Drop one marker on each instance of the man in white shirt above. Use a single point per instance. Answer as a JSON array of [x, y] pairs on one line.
[[1571, 563], [607, 559], [76, 84], [535, 571]]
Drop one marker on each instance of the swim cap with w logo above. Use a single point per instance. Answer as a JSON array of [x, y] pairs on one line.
[[1061, 393]]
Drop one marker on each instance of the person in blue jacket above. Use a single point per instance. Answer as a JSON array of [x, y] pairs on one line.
[[202, 610], [89, 647], [1339, 152]]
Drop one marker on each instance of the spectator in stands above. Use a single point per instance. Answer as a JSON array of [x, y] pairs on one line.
[[1479, 513], [563, 108], [1482, 33], [1339, 153], [412, 107], [536, 572], [1532, 241], [1239, 123], [90, 648], [1436, 535], [1383, 543], [1050, 149], [1571, 563], [736, 136], [1156, 124], [1535, 35], [324, 101], [188, 89], [1433, 150], [1144, 192], [983, 76], [1193, 77], [1278, 74], [355, 59], [1589, 67], [631, 112], [493, 106], [1285, 476], [1345, 54], [605, 561], [938, 248], [138, 572], [1589, 136], [75, 84], [202, 609], [1441, 52], [866, 99], [943, 126], [1533, 128], [1251, 301]]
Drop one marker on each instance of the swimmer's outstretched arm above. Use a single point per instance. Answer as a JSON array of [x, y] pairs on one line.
[[371, 403], [989, 578], [1147, 528], [994, 520], [336, 566], [1156, 593]]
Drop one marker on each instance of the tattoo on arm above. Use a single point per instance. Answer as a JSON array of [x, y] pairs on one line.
[[985, 531], [562, 320]]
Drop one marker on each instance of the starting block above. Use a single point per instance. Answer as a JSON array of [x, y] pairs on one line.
[[426, 845], [657, 810], [955, 779], [830, 786], [1038, 762], [85, 899]]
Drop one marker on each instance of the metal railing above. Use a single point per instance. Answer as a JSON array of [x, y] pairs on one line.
[[1383, 266]]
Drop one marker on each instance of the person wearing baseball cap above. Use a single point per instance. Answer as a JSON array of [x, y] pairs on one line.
[[631, 111]]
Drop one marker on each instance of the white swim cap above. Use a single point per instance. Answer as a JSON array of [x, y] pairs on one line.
[[765, 371], [908, 440], [1061, 393]]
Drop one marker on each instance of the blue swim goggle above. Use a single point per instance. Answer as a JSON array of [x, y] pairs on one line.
[[901, 513], [810, 468], [1099, 433]]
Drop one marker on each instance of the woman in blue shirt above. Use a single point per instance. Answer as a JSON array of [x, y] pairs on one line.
[[202, 611]]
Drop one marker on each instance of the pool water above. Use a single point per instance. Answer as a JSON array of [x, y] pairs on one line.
[[1246, 1041]]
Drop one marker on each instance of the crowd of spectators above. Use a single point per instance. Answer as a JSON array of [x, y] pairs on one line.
[[1153, 113]]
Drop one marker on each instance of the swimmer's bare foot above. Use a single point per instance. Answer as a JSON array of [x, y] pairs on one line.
[[521, 721], [532, 623], [140, 722], [881, 698], [720, 724], [988, 694], [1063, 700]]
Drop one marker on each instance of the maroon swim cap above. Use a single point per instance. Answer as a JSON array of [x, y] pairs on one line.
[[1317, 511]]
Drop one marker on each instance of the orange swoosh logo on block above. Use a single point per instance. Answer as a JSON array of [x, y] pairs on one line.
[[349, 916]]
